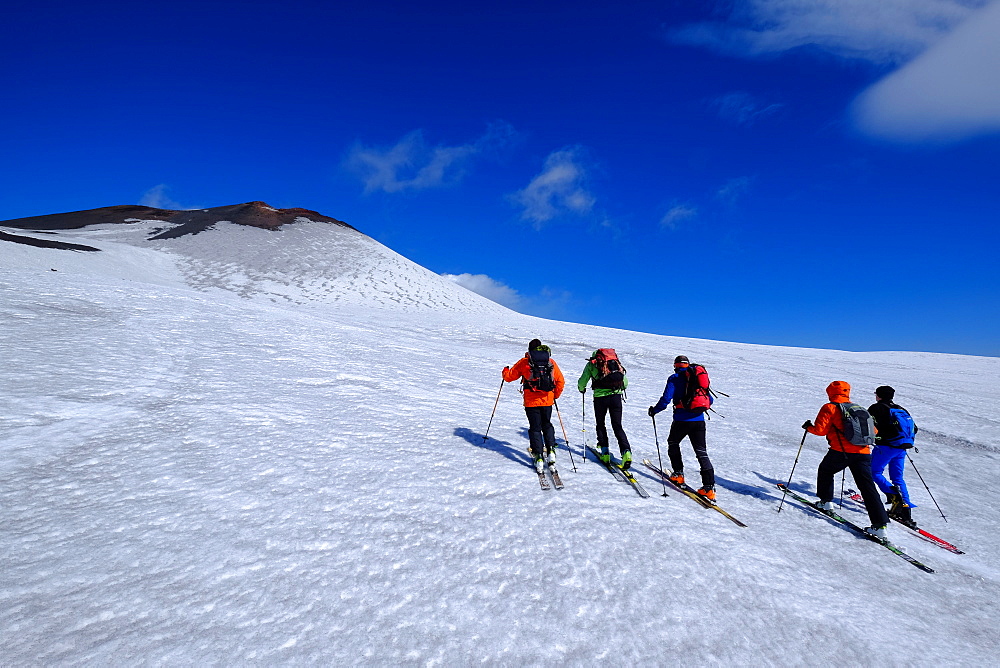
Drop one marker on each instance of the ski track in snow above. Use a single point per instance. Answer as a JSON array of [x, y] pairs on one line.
[[242, 447]]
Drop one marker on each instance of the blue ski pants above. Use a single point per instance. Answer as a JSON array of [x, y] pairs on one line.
[[895, 459]]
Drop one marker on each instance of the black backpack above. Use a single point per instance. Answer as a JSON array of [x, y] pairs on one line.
[[541, 371]]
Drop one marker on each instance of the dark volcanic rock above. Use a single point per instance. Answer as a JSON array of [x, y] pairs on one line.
[[45, 243], [255, 214]]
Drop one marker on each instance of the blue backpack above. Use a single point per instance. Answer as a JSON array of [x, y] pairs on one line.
[[905, 427]]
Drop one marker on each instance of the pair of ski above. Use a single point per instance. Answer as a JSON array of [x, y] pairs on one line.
[[620, 474], [687, 491], [854, 527], [543, 479], [926, 535]]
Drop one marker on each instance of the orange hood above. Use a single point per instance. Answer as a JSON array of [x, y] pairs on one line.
[[839, 391]]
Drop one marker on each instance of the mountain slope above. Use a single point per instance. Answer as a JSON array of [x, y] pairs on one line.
[[287, 470], [258, 252]]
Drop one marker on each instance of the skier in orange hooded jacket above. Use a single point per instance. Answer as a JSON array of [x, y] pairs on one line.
[[844, 454], [538, 403]]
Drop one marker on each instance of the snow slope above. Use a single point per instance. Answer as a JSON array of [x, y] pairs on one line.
[[249, 447]]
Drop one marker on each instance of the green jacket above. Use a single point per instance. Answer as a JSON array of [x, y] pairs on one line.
[[590, 373]]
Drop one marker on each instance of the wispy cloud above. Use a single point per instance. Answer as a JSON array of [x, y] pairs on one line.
[[883, 31], [560, 189], [952, 91], [157, 198], [734, 189], [548, 302], [412, 164], [677, 214], [741, 108], [492, 289]]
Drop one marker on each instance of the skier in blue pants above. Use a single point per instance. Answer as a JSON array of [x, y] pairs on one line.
[[895, 432]]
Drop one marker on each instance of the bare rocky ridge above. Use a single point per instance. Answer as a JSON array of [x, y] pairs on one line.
[[45, 243], [254, 214]]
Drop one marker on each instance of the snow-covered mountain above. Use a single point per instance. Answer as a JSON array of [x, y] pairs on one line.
[[260, 446], [258, 252]]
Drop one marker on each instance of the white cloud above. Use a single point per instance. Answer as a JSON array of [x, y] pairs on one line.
[[881, 31], [734, 189], [557, 190], [414, 165], [156, 197], [742, 108], [546, 303], [678, 214], [490, 288], [951, 91]]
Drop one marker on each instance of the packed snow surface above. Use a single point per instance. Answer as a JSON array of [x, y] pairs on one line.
[[255, 447]]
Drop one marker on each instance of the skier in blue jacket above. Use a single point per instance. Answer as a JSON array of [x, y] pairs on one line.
[[690, 423]]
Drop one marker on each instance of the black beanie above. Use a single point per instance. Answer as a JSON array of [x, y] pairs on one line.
[[681, 359], [885, 392], [534, 344]]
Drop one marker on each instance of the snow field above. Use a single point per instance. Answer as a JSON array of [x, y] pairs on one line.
[[195, 474]]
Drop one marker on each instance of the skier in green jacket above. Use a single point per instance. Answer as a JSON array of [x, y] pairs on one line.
[[608, 379]]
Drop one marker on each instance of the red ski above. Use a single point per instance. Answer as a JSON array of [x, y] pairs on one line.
[[926, 535]]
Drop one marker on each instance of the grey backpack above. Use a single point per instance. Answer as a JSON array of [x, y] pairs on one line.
[[859, 427]]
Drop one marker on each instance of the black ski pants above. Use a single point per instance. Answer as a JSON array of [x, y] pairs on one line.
[[610, 405], [696, 432], [836, 461], [541, 433]]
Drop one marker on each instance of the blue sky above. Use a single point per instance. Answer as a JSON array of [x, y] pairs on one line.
[[815, 173]]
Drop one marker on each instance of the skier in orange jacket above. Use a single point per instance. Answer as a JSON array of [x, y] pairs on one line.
[[541, 384], [844, 454]]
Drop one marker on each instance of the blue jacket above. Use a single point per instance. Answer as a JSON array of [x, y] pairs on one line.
[[675, 388]]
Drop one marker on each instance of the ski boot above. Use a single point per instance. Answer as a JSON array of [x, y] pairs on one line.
[[899, 510], [551, 456], [901, 513], [605, 455], [626, 460], [877, 532], [707, 492], [677, 477], [825, 505], [539, 465]]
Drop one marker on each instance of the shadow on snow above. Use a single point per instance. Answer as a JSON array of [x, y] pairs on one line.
[[805, 490], [502, 447], [506, 449]]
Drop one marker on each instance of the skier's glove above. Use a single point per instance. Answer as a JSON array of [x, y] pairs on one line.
[[651, 411], [583, 391], [807, 424]]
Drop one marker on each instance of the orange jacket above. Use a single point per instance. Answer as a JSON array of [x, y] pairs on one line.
[[522, 370], [830, 422]]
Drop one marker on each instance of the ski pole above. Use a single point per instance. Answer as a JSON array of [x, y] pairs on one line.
[[565, 437], [926, 487], [487, 434], [583, 410], [659, 457], [843, 476], [785, 492]]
